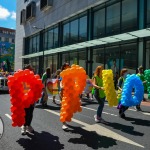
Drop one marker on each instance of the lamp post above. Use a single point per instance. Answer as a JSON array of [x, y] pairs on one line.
[[43, 45]]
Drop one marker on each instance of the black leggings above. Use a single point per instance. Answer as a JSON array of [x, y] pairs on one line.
[[28, 115]]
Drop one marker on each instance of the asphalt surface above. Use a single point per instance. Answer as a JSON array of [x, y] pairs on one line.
[[131, 133]]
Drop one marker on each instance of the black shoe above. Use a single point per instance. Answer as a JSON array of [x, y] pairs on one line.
[[122, 115]]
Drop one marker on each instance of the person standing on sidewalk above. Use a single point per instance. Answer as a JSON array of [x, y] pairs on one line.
[[28, 113], [141, 75], [99, 93]]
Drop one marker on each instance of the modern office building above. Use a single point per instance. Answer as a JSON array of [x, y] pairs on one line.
[[84, 32], [7, 49]]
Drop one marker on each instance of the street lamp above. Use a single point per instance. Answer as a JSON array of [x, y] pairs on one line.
[[38, 28]]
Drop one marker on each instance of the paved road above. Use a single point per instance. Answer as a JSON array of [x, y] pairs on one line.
[[83, 133]]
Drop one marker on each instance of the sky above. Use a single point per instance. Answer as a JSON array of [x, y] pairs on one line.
[[8, 14]]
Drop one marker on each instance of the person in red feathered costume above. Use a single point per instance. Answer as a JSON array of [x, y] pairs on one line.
[[28, 113]]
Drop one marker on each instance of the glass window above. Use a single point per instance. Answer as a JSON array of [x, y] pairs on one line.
[[99, 23], [50, 39], [82, 59], [129, 57], [6, 39], [65, 58], [74, 58], [74, 32], [98, 58], [113, 19], [83, 29], [129, 15], [148, 13], [30, 45], [54, 65], [112, 54], [45, 40], [66, 34], [34, 45], [37, 43], [147, 54], [56, 37]]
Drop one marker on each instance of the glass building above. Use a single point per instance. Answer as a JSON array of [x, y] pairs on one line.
[[88, 33]]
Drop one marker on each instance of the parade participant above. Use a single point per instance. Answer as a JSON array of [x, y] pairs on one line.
[[45, 76], [64, 66], [141, 75], [121, 80], [115, 73], [57, 76], [99, 93], [28, 113]]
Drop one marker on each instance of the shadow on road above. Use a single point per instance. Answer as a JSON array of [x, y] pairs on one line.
[[138, 121], [125, 128], [39, 141], [49, 107], [91, 139]]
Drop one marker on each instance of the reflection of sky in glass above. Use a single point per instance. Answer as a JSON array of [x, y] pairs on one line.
[[1, 128]]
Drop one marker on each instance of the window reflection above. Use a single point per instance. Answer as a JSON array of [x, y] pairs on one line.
[[66, 34], [129, 15], [99, 23], [129, 57], [83, 29], [113, 19], [148, 13], [74, 32], [98, 58]]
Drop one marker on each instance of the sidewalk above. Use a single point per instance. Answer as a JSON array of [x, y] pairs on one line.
[[147, 102]]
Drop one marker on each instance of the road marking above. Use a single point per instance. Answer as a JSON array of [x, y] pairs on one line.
[[100, 130], [8, 116], [146, 113], [91, 109]]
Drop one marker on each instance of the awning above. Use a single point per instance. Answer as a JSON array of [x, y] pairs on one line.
[[97, 42]]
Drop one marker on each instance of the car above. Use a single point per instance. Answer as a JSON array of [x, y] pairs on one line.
[[3, 84]]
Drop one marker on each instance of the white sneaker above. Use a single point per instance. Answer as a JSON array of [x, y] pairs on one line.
[[101, 120], [95, 117], [29, 129], [64, 127], [23, 130]]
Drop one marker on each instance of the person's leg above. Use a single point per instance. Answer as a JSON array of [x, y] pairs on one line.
[[24, 127], [54, 99], [100, 107], [29, 127]]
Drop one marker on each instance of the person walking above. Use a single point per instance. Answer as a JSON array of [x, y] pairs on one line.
[[64, 66], [141, 75], [121, 81], [99, 93], [44, 97], [28, 113], [57, 76]]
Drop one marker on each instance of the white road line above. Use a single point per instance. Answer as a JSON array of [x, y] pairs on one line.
[[102, 131], [146, 113], [106, 112], [8, 116], [92, 109]]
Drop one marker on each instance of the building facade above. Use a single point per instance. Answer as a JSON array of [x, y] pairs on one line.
[[7, 49], [84, 32]]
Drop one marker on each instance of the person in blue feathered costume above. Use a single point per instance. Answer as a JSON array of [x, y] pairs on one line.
[[121, 81]]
